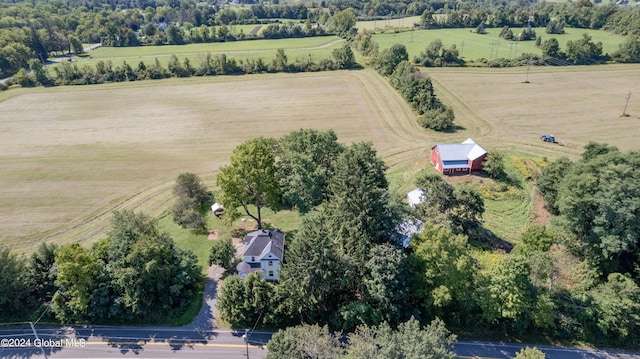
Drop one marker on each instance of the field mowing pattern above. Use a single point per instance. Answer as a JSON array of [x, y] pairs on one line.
[[70, 155]]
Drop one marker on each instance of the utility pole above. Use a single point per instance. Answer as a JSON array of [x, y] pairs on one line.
[[33, 328], [462, 52], [246, 341], [624, 113], [526, 80], [511, 49], [496, 44]]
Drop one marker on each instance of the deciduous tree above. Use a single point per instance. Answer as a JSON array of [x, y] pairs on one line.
[[617, 308], [494, 164], [387, 60], [443, 271], [222, 253], [193, 203], [599, 199], [250, 180], [305, 163], [507, 296], [530, 353], [246, 302], [305, 341], [344, 57], [76, 281], [13, 289], [549, 182]]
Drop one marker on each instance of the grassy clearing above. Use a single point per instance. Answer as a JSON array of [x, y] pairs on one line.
[[314, 48], [474, 46]]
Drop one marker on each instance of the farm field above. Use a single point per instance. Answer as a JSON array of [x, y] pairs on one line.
[[315, 48], [71, 155], [474, 46], [377, 25], [577, 103]]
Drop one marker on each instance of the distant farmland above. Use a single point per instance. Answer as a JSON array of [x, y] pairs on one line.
[[309, 48], [71, 155], [475, 46]]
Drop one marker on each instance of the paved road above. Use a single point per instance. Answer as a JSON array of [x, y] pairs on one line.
[[202, 339], [115, 342]]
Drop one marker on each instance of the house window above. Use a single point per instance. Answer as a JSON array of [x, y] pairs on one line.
[[253, 259], [270, 273], [270, 263]]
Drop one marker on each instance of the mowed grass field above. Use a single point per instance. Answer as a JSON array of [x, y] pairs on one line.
[[474, 46], [70, 155], [314, 48]]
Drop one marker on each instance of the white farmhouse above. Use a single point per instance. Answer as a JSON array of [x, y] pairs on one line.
[[263, 251]]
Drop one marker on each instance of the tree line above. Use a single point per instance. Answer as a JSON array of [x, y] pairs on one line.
[[39, 30], [415, 87], [345, 267], [135, 275], [209, 65]]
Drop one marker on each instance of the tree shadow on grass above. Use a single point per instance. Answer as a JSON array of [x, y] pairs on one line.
[[485, 239]]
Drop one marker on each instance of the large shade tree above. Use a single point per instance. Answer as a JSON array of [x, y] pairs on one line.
[[305, 162], [250, 180]]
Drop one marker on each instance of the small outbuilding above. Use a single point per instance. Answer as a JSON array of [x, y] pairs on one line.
[[416, 197], [458, 158], [217, 209]]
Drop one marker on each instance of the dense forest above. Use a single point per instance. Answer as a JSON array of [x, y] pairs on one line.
[[36, 30]]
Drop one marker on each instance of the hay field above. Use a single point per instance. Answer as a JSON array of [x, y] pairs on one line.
[[578, 104], [70, 155]]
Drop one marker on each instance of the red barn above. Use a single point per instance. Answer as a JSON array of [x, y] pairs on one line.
[[458, 158]]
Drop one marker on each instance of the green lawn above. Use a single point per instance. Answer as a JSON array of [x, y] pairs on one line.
[[474, 46], [287, 221]]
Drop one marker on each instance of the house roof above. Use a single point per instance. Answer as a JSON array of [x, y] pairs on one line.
[[457, 154], [262, 242]]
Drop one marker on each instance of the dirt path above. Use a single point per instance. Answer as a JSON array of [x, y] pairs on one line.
[[206, 318]]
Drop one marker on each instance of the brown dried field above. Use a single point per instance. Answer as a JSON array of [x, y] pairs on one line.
[[71, 155]]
